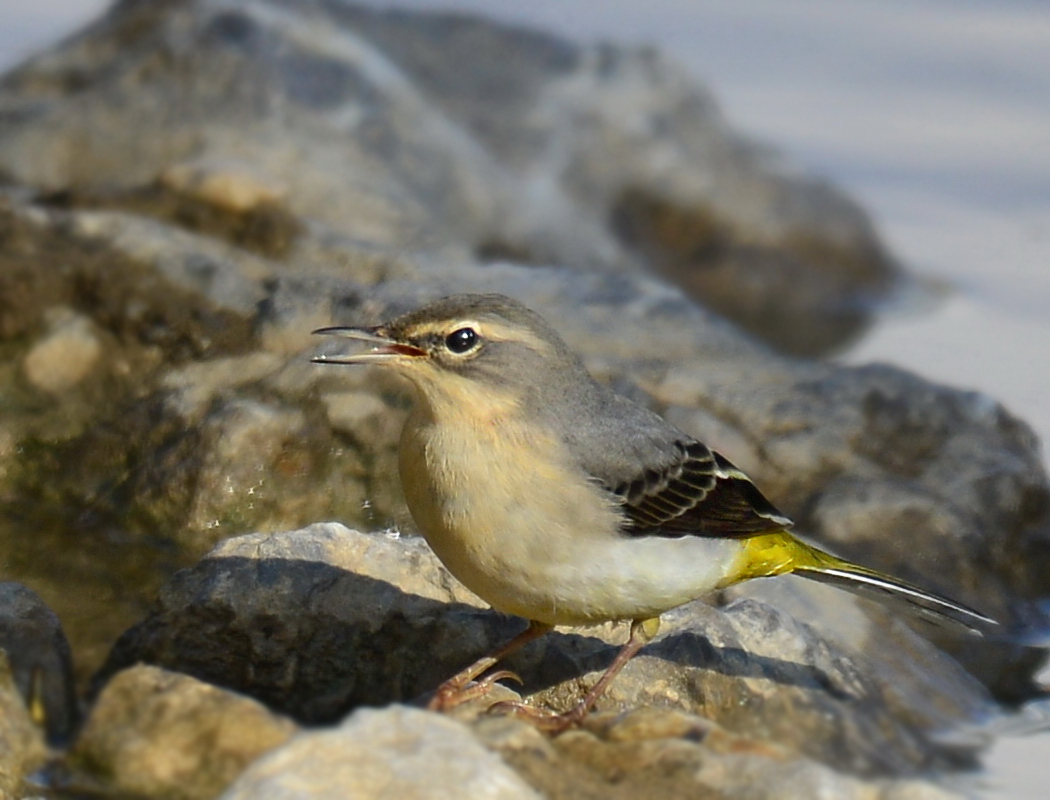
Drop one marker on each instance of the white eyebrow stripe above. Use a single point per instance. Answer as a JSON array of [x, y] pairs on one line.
[[498, 332], [494, 331]]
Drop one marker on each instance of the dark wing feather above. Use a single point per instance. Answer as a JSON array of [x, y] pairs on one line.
[[701, 494]]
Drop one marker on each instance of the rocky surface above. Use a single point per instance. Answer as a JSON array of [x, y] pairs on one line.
[[404, 752], [188, 187], [320, 621], [160, 734], [39, 659], [394, 752], [282, 117], [209, 429], [656, 753], [22, 747]]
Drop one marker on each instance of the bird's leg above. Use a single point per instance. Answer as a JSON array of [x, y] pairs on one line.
[[642, 632], [459, 688]]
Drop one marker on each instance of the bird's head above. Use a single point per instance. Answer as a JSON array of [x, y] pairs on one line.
[[467, 348]]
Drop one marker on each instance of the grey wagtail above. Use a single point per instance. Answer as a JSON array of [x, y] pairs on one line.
[[553, 498]]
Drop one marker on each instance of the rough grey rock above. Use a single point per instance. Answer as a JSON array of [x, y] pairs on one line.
[[39, 659], [158, 734], [22, 747], [889, 469], [194, 185], [66, 356], [667, 754], [383, 753], [319, 621], [951, 475], [333, 620], [282, 116], [199, 269]]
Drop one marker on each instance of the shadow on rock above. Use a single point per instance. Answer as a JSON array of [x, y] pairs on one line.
[[320, 621]]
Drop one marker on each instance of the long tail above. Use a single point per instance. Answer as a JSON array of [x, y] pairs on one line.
[[780, 552]]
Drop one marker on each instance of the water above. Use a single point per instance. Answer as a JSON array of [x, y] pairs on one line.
[[935, 114]]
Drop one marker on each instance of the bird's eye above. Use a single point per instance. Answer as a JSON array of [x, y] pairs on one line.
[[462, 340]]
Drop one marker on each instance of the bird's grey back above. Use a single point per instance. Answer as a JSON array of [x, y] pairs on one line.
[[609, 436]]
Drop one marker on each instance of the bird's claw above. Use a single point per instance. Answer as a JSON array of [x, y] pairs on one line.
[[499, 675], [542, 718], [455, 692]]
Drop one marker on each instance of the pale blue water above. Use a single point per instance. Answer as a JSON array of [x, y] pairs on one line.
[[935, 114]]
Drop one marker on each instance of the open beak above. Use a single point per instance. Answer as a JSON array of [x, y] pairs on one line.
[[383, 348]]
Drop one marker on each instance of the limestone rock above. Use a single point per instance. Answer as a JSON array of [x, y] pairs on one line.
[[193, 186], [22, 746], [320, 621], [372, 125], [668, 754], [66, 356], [330, 217], [39, 659], [383, 753], [314, 623], [158, 734]]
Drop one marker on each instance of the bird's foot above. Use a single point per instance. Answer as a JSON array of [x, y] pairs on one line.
[[459, 690], [543, 718]]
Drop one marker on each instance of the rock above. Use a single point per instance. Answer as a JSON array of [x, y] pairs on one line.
[[125, 450], [663, 753], [22, 747], [157, 458], [202, 183], [141, 444], [536, 150], [383, 753], [39, 659], [233, 491], [376, 619], [233, 189], [93, 295], [764, 289], [157, 734], [66, 356], [197, 385], [319, 621]]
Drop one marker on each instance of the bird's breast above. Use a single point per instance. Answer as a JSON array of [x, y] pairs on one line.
[[507, 511]]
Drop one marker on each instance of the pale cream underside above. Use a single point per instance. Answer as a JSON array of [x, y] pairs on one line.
[[504, 512]]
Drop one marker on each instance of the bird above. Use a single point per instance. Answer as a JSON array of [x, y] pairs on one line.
[[554, 498]]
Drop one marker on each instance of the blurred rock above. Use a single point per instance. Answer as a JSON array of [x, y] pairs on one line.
[[314, 623], [66, 356], [22, 747], [404, 173], [200, 183], [319, 621], [282, 479], [232, 189], [255, 125], [383, 753], [160, 456], [157, 734], [663, 753], [39, 659], [766, 289]]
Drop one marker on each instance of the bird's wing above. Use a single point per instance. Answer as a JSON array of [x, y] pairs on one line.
[[697, 493]]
